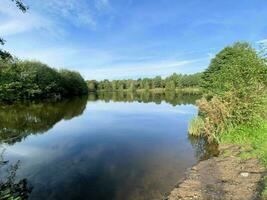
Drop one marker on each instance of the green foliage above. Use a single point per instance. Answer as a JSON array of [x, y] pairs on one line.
[[237, 69], [235, 83], [171, 83], [92, 85], [34, 80], [250, 138], [73, 83]]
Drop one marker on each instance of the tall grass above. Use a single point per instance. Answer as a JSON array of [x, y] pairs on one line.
[[196, 126]]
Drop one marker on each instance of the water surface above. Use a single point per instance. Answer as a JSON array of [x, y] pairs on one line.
[[102, 147]]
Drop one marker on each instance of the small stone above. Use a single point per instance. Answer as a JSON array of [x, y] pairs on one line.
[[244, 174]]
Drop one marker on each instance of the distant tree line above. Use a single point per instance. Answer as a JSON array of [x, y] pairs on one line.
[[145, 97], [175, 81], [35, 80]]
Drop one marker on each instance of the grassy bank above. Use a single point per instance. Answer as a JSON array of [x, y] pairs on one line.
[[253, 140]]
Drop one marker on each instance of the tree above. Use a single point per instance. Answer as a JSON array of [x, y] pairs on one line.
[[156, 82], [73, 83], [238, 76], [236, 68], [92, 84], [170, 85]]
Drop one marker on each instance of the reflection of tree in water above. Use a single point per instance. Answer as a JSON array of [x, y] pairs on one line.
[[145, 97], [21, 119], [10, 189], [203, 149]]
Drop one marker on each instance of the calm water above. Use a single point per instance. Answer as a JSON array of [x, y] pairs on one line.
[[102, 147]]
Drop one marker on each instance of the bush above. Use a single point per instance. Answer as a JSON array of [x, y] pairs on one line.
[[238, 69], [235, 83], [215, 115]]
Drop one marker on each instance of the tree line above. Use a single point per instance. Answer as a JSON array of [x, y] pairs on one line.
[[35, 80], [172, 98], [175, 81]]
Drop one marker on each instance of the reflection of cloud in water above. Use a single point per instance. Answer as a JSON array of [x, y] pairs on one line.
[[114, 151]]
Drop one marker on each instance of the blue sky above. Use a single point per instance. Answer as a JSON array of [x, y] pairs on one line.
[[118, 39]]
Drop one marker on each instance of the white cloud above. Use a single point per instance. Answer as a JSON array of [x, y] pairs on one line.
[[263, 41], [100, 64], [78, 13]]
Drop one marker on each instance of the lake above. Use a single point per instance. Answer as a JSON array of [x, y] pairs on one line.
[[109, 146]]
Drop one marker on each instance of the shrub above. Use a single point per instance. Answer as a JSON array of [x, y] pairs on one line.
[[215, 114], [236, 68], [235, 82]]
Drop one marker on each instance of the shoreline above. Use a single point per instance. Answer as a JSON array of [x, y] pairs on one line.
[[226, 177]]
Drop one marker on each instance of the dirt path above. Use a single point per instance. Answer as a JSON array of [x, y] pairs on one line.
[[225, 177]]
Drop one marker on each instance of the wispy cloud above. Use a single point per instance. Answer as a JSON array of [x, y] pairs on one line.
[[102, 4], [146, 69], [100, 64], [77, 12], [63, 56], [15, 22], [263, 41]]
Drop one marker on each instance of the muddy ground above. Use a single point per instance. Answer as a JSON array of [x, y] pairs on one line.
[[226, 177]]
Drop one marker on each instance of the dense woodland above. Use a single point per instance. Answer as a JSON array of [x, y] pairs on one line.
[[175, 81], [35, 80]]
